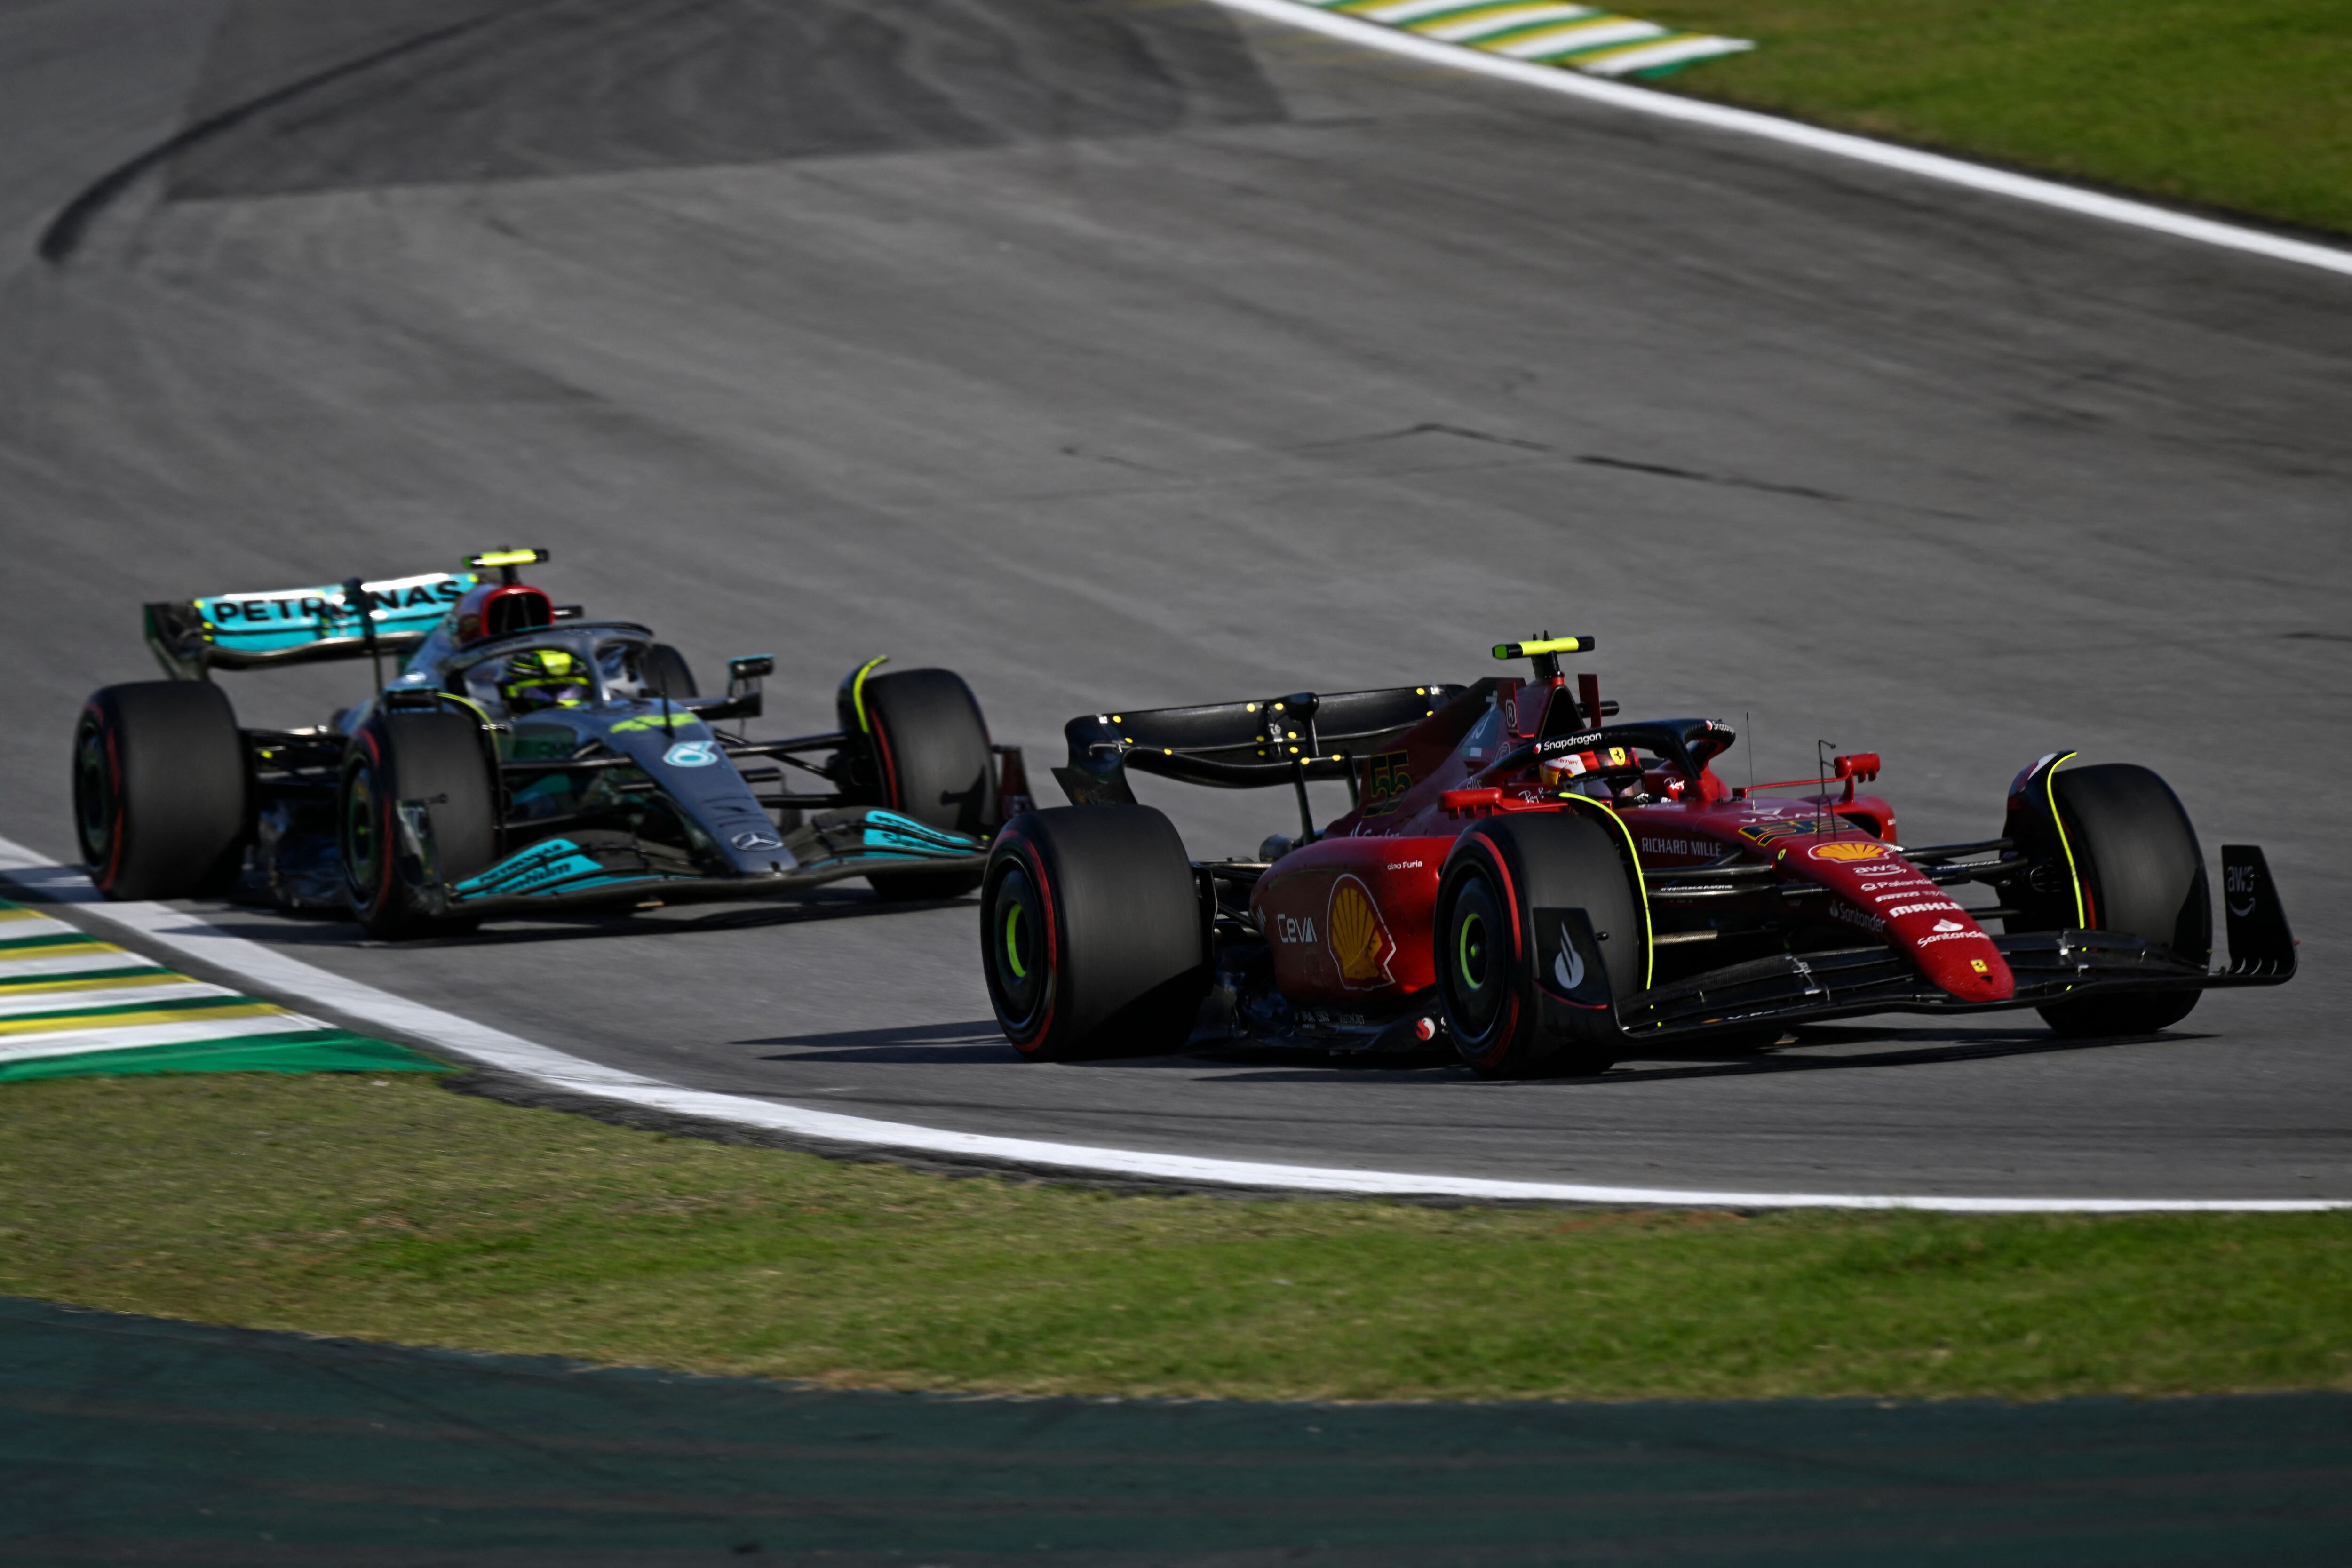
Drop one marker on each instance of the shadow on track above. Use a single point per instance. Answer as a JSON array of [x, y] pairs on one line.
[[1974, 1049], [978, 1041], [298, 928]]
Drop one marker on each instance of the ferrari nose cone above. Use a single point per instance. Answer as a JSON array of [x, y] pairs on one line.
[[1883, 891], [1970, 968]]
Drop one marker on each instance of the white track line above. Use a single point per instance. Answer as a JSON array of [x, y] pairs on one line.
[[1837, 144], [270, 970]]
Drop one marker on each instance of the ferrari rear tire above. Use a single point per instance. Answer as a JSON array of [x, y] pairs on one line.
[[665, 672], [937, 767], [1500, 873], [436, 757], [2142, 874], [1092, 934], [161, 790]]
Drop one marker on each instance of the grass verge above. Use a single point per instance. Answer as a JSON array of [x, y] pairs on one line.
[[2240, 104], [398, 1211]]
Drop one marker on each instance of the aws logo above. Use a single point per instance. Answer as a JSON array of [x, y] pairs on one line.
[[1359, 939]]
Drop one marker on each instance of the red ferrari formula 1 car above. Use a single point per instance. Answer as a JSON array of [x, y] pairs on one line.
[[1549, 890]]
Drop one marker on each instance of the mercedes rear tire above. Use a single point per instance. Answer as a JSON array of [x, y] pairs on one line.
[[162, 790]]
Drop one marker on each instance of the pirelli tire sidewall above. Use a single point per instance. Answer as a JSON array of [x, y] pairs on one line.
[[2142, 874], [162, 788], [1092, 936], [931, 757], [438, 756], [1504, 1020]]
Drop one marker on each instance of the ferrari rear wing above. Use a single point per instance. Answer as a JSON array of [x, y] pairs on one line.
[[1273, 740], [300, 626]]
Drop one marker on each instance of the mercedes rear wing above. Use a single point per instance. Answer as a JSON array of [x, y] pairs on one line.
[[300, 626]]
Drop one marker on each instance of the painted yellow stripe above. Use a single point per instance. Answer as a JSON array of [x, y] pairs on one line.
[[134, 1020], [1602, 57], [1461, 24], [1576, 38], [19, 913], [144, 998], [104, 983], [60, 950], [1681, 48]]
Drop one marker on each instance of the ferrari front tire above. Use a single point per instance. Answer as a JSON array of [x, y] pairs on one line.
[[2142, 873], [159, 790], [436, 757], [1092, 934]]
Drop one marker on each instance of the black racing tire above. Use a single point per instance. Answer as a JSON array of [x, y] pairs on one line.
[[1093, 934], [436, 757], [936, 765], [2143, 875], [1485, 943], [665, 673], [162, 790]]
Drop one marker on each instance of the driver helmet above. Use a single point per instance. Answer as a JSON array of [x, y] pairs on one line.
[[544, 677]]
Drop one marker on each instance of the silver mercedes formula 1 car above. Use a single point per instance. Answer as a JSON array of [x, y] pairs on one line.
[[522, 758]]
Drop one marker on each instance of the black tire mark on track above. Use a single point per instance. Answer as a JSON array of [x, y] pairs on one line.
[[66, 231]]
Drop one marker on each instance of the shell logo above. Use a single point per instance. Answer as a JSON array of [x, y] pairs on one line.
[[1848, 853], [1360, 944]]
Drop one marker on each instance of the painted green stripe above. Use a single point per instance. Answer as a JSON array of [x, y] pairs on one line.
[[1570, 54], [1497, 40], [1452, 14], [58, 939], [163, 1005], [324, 1050], [1627, 46], [1462, 14], [35, 982]]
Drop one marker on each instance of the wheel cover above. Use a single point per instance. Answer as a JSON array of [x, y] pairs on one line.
[[362, 839], [1477, 967], [1017, 960], [94, 795]]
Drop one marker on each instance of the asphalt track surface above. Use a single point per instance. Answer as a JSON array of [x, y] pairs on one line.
[[140, 1441], [1126, 354]]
